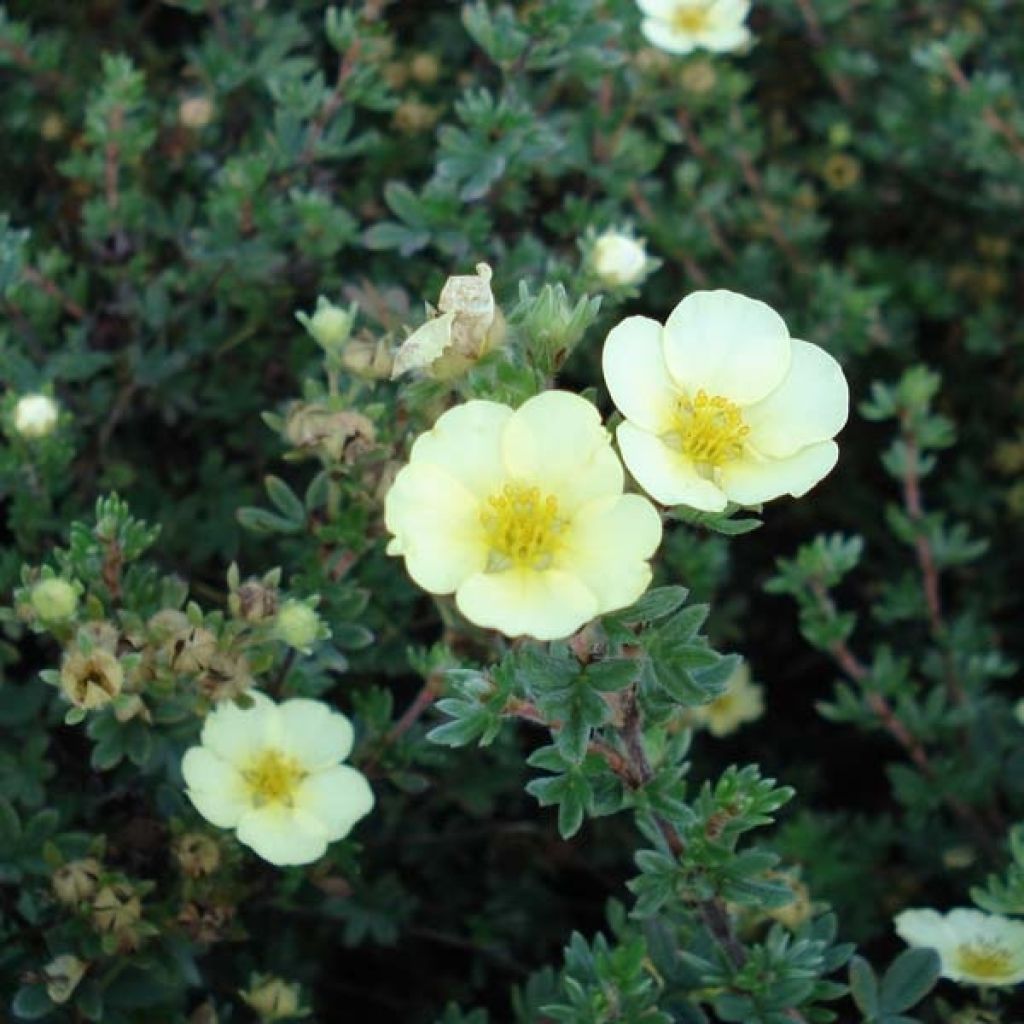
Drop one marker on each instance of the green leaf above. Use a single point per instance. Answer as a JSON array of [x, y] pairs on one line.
[[285, 499], [31, 1002], [909, 979], [614, 674], [655, 604], [864, 986]]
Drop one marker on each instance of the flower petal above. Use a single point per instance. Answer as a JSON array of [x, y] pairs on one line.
[[658, 8], [282, 836], [556, 442], [608, 547], [724, 39], [466, 443], [235, 733], [752, 481], [337, 798], [546, 605], [436, 522], [216, 788], [727, 345], [811, 404], [666, 474], [636, 374], [665, 36], [314, 734]]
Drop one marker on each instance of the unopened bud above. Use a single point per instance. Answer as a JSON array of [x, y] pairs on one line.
[[618, 259], [297, 625], [54, 600], [196, 111], [35, 416], [330, 325]]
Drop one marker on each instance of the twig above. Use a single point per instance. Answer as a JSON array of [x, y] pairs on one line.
[[692, 268], [772, 219], [989, 115], [841, 84], [330, 106], [41, 281]]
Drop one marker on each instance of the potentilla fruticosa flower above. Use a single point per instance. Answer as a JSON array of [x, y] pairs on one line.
[[521, 515], [273, 773], [975, 948], [682, 26], [742, 701], [721, 405]]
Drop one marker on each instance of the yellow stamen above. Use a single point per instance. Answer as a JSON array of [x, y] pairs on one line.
[[709, 430], [522, 528], [689, 18], [273, 777], [984, 960]]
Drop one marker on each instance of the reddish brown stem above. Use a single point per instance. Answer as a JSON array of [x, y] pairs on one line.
[[772, 219], [842, 86], [991, 117], [44, 283]]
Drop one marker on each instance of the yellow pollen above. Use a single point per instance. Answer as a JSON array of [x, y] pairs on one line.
[[983, 960], [522, 528], [273, 777], [690, 18], [709, 430]]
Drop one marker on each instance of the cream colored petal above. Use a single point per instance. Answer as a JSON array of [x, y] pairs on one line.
[[546, 605], [729, 12], [282, 836], [727, 345], [663, 35], [466, 443], [608, 547], [666, 474], [811, 404], [337, 798], [750, 481], [725, 39], [658, 8], [556, 442], [314, 733], [215, 787], [235, 733], [636, 374], [437, 524]]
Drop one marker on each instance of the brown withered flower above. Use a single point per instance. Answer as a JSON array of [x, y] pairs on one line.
[[91, 681], [76, 881]]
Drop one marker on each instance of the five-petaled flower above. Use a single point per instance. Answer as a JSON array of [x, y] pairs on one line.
[[974, 948], [521, 514], [721, 405], [272, 773], [682, 26]]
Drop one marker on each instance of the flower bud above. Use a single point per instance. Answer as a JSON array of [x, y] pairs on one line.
[[62, 975], [330, 325], [297, 625], [699, 77], [116, 908], [425, 68], [618, 259], [254, 601], [273, 998], [198, 855], [196, 111], [91, 681], [54, 600], [76, 881], [35, 416]]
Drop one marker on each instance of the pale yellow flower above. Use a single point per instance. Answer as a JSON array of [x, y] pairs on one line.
[[975, 948], [272, 773], [742, 701], [722, 405], [681, 26], [520, 514]]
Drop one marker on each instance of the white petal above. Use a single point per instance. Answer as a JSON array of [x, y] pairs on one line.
[[215, 787], [636, 374], [810, 405], [608, 547], [546, 605], [313, 733], [337, 798], [726, 11], [556, 442], [666, 474], [282, 836], [658, 8], [727, 345], [466, 443], [750, 482], [725, 39], [235, 733], [665, 36], [436, 521]]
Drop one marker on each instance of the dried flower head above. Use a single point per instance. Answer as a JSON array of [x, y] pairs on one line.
[[91, 680]]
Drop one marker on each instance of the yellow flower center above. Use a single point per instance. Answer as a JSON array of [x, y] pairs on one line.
[[522, 528], [709, 429], [690, 18], [273, 777], [983, 961]]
